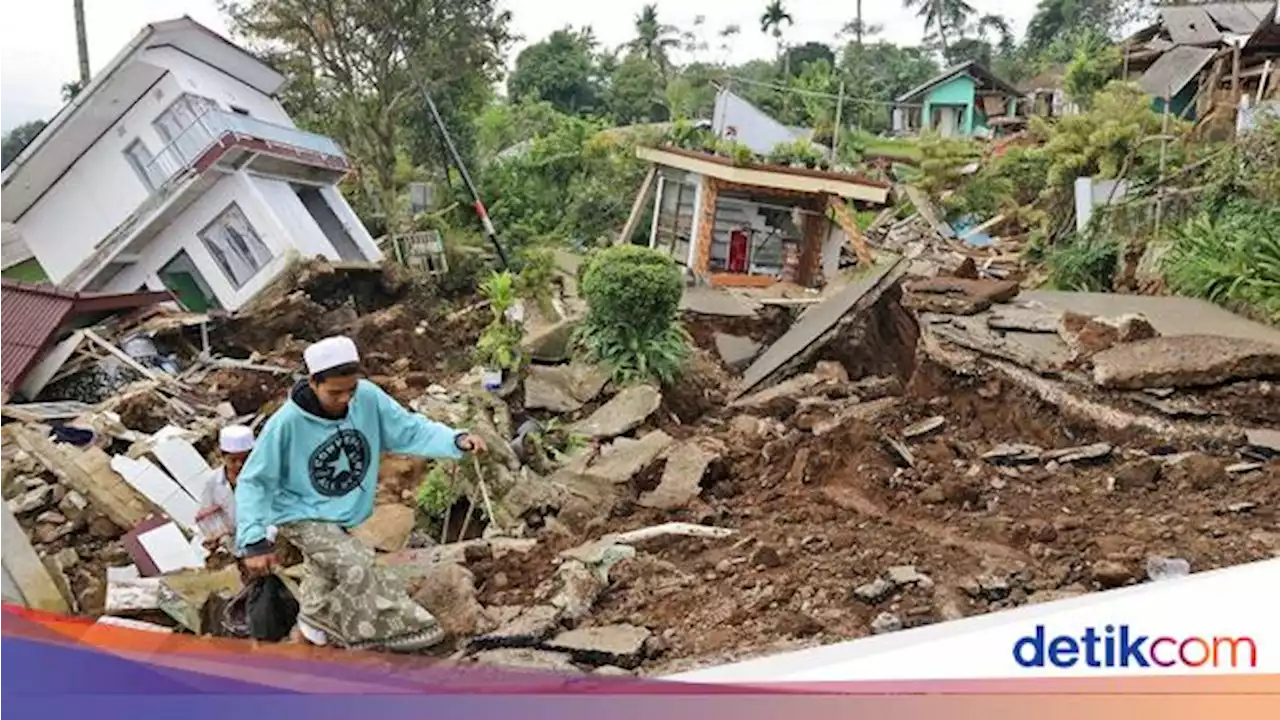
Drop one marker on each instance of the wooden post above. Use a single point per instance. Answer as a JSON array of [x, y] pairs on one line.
[[706, 226], [1235, 74], [835, 133], [1124, 73], [1164, 145], [637, 207]]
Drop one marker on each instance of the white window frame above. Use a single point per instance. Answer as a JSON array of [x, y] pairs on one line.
[[174, 126], [139, 167], [235, 246]]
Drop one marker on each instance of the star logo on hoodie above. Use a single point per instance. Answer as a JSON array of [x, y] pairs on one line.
[[338, 465]]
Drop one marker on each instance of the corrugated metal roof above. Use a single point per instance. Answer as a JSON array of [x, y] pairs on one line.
[[975, 70], [31, 315], [1243, 18], [1174, 69], [1189, 25]]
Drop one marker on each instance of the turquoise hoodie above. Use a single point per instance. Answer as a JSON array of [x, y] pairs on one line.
[[308, 467]]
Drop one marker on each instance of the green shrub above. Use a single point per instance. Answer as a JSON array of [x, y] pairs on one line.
[[1231, 257], [438, 492], [942, 161], [499, 345], [536, 279], [795, 152], [632, 326], [1085, 263]]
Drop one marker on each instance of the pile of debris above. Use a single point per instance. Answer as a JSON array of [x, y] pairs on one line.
[[896, 454]]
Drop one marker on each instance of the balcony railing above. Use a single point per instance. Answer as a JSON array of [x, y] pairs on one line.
[[209, 127]]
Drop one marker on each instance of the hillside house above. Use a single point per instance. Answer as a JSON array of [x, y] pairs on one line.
[[734, 118], [1198, 59], [963, 101], [753, 225], [178, 168]]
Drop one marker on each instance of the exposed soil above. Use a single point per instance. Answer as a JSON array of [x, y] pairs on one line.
[[818, 517]]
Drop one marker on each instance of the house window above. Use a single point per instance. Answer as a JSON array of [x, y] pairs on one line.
[[235, 246], [184, 136], [140, 158]]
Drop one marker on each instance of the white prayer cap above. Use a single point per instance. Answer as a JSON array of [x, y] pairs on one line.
[[235, 439], [330, 353]]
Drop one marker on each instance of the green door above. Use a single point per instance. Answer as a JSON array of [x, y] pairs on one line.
[[184, 285]]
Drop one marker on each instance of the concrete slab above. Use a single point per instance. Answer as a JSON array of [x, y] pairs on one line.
[[1170, 315], [619, 645], [711, 301], [623, 413], [857, 296]]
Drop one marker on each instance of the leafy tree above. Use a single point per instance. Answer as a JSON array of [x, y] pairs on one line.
[[881, 71], [365, 62], [772, 19], [1055, 19], [799, 56], [636, 92], [559, 70], [653, 39], [691, 94], [1093, 66], [728, 34], [983, 41], [71, 89], [17, 139], [942, 16]]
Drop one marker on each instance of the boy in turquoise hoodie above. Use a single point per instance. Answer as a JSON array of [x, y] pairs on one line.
[[313, 474]]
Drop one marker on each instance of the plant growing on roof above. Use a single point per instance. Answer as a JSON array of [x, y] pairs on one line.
[[632, 325], [795, 152], [499, 345]]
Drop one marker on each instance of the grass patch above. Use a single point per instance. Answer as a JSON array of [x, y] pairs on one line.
[[28, 271]]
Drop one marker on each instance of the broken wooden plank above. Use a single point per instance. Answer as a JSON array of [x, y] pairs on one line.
[[44, 412], [26, 579], [637, 206], [246, 365], [929, 212], [123, 357], [849, 224]]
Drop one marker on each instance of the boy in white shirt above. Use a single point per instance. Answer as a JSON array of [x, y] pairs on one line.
[[218, 501]]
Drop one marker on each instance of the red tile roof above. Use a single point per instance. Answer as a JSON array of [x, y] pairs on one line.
[[31, 316]]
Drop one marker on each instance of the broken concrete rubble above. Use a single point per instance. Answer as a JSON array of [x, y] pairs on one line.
[[735, 351], [619, 645], [1087, 335], [563, 388], [624, 458], [1184, 361], [528, 659], [388, 528], [448, 592], [623, 413], [528, 629], [687, 463]]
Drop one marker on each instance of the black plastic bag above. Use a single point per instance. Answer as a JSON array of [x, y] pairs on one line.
[[264, 610]]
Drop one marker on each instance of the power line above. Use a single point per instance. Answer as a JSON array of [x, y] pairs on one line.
[[817, 93]]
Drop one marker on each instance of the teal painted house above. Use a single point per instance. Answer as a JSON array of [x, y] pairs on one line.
[[963, 101]]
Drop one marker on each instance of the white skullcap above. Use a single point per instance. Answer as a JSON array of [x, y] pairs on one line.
[[330, 353], [235, 439]]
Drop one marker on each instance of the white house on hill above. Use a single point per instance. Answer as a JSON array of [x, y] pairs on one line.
[[177, 167]]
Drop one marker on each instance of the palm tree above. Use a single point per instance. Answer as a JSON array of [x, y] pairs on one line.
[[653, 38], [772, 19], [941, 15]]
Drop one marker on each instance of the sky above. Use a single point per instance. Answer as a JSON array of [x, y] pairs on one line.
[[38, 42]]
